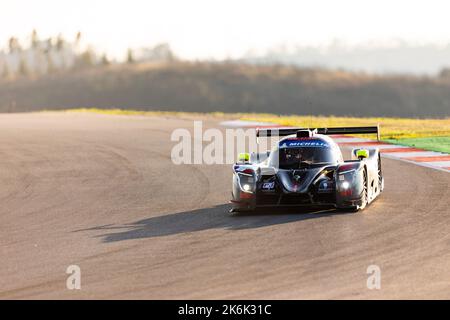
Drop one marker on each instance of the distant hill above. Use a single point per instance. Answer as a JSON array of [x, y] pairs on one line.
[[231, 87]]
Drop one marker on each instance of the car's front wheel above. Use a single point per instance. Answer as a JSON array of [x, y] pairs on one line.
[[365, 195]]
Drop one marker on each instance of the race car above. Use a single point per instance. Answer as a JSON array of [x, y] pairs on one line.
[[306, 168]]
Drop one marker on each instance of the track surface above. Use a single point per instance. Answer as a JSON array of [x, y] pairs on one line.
[[101, 192]]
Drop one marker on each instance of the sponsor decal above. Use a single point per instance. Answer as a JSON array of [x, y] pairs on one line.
[[268, 185], [303, 143]]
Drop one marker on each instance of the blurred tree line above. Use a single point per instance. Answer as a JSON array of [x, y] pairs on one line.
[[40, 56]]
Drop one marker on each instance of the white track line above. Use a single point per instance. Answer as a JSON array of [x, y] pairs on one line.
[[343, 140], [242, 123], [418, 154], [391, 146], [444, 164], [438, 165]]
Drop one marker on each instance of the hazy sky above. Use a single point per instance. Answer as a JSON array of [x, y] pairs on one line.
[[221, 28]]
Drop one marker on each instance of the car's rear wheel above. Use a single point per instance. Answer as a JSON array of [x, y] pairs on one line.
[[380, 175]]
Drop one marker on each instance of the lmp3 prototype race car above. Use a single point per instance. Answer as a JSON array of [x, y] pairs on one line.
[[306, 168]]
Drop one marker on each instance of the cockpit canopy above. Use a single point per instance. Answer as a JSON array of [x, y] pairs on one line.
[[295, 153]]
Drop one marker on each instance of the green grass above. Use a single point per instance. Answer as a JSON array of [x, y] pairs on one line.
[[441, 144]]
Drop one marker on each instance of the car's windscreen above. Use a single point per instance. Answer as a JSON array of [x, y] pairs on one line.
[[294, 158]]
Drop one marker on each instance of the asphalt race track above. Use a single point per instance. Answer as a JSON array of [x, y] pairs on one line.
[[102, 193]]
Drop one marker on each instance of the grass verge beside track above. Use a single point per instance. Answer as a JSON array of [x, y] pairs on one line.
[[391, 128], [441, 144]]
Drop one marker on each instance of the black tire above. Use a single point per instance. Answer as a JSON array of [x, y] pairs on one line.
[[364, 198], [233, 213], [365, 195], [380, 175], [237, 212]]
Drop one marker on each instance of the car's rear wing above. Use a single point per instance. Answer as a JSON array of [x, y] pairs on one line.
[[281, 132]]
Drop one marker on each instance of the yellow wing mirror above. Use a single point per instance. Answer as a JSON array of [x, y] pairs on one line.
[[362, 154], [244, 157]]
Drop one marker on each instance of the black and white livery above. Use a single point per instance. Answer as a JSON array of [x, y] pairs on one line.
[[306, 168]]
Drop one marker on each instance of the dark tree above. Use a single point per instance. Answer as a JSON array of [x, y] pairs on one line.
[[34, 39], [130, 56]]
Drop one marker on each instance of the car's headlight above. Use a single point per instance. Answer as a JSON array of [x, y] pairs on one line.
[[345, 185], [346, 179], [246, 182]]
